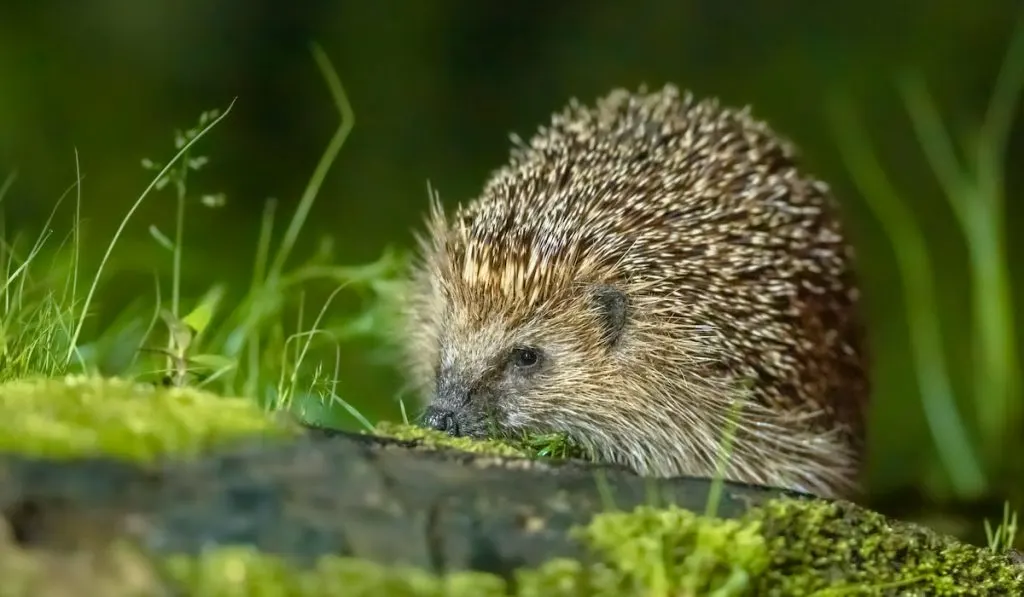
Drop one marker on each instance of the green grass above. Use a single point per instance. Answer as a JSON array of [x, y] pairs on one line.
[[978, 449], [37, 315], [261, 345], [1004, 536]]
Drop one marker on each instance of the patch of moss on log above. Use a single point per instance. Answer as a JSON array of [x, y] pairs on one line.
[[553, 446], [788, 547], [830, 548], [432, 440], [82, 415]]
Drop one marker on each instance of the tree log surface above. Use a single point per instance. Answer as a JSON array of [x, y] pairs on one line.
[[338, 493]]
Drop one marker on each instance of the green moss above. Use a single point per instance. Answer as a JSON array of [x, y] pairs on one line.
[[242, 571], [787, 547], [554, 445], [672, 551], [433, 439], [80, 415], [816, 542]]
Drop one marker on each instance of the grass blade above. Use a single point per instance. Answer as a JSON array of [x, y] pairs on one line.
[[952, 442], [326, 160], [124, 223]]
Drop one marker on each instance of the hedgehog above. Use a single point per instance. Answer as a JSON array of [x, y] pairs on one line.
[[654, 278]]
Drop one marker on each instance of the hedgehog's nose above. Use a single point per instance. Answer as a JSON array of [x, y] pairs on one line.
[[441, 419]]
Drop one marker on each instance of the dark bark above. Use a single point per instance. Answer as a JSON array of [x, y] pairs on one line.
[[337, 493]]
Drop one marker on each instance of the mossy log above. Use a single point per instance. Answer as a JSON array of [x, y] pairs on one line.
[[108, 488]]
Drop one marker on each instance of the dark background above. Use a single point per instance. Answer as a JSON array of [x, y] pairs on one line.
[[436, 88]]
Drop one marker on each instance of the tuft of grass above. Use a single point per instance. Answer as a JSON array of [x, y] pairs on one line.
[[255, 354], [1002, 538], [230, 343], [554, 445], [974, 187], [35, 319], [124, 221]]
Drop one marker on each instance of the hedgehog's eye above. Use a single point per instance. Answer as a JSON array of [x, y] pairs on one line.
[[525, 358]]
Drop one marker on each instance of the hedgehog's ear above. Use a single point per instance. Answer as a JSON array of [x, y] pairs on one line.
[[612, 306]]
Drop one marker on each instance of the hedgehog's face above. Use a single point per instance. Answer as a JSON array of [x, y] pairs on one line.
[[497, 374]]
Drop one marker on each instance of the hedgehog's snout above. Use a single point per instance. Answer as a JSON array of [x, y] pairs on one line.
[[451, 409], [441, 419], [465, 422]]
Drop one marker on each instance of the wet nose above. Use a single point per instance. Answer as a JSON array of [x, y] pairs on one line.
[[441, 419]]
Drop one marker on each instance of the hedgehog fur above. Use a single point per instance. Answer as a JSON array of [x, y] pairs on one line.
[[643, 275]]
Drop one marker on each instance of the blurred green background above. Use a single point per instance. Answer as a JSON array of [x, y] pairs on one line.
[[436, 88]]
